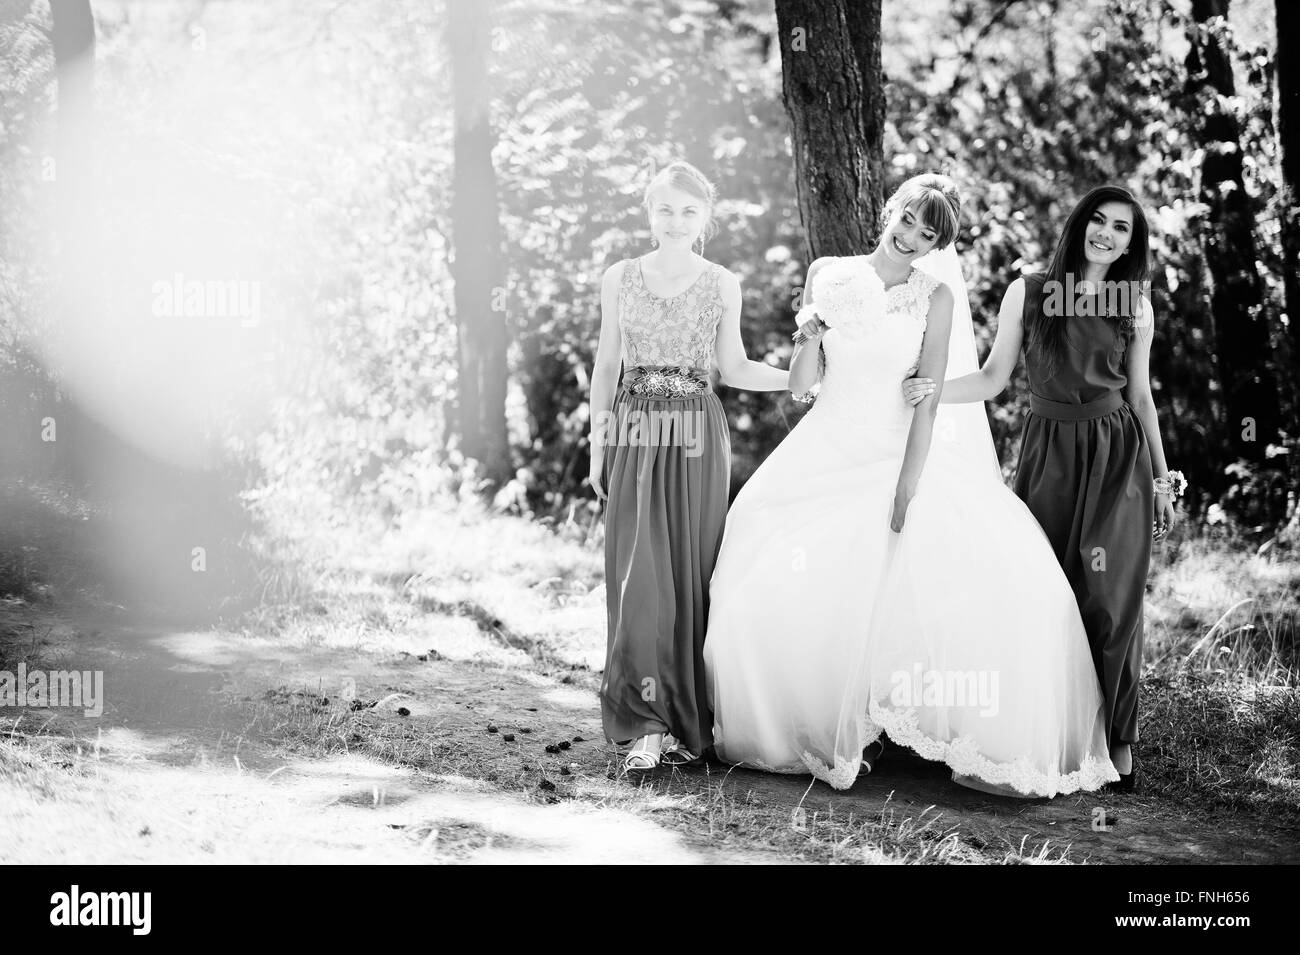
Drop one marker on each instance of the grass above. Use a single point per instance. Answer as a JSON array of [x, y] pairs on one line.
[[1222, 741], [1217, 606], [539, 588], [37, 764], [1221, 682], [42, 540]]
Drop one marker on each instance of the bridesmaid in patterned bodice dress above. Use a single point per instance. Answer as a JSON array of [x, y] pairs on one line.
[[661, 458], [1092, 466]]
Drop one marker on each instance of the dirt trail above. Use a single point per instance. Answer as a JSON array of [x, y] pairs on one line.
[[192, 760], [186, 765]]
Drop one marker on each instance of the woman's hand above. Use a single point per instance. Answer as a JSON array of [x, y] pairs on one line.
[[915, 390], [810, 331], [1165, 516], [902, 498], [596, 475]]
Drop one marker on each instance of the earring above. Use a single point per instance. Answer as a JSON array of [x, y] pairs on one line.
[[654, 240]]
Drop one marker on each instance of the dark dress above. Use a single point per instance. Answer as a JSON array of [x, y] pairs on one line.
[[1085, 472], [667, 480]]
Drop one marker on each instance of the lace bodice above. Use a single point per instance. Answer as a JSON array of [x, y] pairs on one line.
[[864, 372], [678, 331]]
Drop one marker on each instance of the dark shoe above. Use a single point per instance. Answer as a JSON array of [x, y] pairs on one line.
[[1127, 783], [871, 755]]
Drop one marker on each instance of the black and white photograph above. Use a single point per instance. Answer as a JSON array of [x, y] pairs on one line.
[[624, 432]]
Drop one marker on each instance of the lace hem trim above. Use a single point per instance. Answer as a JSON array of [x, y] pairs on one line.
[[841, 776], [845, 772], [965, 759]]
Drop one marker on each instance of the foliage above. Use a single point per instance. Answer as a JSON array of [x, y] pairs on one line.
[[325, 152]]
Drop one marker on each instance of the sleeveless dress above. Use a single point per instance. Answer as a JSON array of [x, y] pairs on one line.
[[958, 636], [1085, 472], [667, 476]]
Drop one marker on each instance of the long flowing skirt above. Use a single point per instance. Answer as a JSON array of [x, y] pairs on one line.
[[667, 479], [1088, 483], [958, 636]]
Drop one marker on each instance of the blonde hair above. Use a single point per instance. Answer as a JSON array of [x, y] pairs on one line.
[[682, 175], [937, 202]]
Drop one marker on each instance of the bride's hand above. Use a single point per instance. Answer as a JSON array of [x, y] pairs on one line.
[[810, 331], [916, 389], [902, 498]]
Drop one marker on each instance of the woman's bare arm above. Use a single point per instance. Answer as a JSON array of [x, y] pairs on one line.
[[933, 363], [992, 378], [604, 373], [804, 370], [736, 368]]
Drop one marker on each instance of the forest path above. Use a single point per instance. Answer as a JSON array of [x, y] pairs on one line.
[[228, 747], [203, 755]]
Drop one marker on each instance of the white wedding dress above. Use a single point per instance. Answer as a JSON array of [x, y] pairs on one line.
[[959, 636]]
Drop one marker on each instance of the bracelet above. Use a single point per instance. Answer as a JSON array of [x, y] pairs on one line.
[[805, 397], [1174, 484]]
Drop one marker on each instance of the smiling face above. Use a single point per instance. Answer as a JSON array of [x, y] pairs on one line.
[[677, 218], [1108, 233], [907, 236]]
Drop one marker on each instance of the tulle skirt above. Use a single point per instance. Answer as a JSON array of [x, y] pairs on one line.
[[959, 636]]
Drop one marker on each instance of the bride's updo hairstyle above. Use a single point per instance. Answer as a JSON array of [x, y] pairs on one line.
[[935, 200], [682, 175]]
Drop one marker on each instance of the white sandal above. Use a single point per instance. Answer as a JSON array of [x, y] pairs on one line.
[[675, 754], [645, 753]]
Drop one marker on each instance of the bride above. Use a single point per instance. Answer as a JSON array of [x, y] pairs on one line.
[[876, 574]]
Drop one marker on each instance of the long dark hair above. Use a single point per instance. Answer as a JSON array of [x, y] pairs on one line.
[[1046, 333]]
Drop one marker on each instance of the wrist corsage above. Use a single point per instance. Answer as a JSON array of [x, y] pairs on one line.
[[1174, 484]]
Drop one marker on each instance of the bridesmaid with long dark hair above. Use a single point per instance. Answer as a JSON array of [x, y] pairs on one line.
[[1092, 466], [663, 454]]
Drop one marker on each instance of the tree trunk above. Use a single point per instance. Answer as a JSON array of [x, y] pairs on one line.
[[1288, 124], [835, 98], [1242, 349], [477, 266]]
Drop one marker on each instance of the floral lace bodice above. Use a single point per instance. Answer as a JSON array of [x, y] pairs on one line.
[[678, 331], [864, 371]]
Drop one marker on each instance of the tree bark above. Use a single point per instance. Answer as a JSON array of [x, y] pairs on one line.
[[1241, 334], [477, 265], [833, 91]]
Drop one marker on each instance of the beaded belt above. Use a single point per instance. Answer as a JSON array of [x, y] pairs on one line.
[[1064, 411], [656, 381]]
